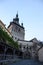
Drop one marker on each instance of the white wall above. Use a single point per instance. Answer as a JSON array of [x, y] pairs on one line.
[[25, 43], [16, 33]]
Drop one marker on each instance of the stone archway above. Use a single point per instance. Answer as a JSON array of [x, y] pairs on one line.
[[26, 55], [9, 53], [1, 49]]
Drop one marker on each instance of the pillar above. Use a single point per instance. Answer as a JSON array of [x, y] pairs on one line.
[[5, 52]]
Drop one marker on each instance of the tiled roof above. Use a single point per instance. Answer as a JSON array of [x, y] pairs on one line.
[[16, 24]]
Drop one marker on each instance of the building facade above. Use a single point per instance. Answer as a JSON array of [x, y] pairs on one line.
[[29, 48], [17, 31], [40, 54], [2, 25]]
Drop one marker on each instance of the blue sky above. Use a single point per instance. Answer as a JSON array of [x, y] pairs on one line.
[[30, 13]]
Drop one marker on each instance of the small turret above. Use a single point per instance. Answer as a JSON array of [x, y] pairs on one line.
[[22, 24]]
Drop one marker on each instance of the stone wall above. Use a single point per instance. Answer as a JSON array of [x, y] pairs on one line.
[[40, 54]]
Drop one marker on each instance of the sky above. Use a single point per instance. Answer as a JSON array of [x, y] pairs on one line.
[[30, 13]]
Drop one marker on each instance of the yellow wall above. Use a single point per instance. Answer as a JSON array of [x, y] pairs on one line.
[[2, 25]]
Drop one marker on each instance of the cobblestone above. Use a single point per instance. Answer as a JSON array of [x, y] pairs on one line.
[[27, 62]]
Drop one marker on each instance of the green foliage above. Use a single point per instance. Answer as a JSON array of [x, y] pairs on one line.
[[6, 38]]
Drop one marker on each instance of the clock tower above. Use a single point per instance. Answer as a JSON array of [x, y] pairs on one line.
[[17, 31]]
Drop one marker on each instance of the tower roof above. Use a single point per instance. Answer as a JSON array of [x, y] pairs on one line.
[[16, 19]]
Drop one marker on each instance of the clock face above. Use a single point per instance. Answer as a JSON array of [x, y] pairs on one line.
[[17, 29]]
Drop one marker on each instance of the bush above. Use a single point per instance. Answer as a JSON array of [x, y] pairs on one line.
[[6, 38]]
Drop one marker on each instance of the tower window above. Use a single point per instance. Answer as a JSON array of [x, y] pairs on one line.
[[12, 29], [19, 29], [15, 38]]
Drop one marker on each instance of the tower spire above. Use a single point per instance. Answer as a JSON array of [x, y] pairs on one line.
[[17, 15]]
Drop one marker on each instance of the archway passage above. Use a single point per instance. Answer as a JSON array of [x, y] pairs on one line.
[[9, 51], [18, 53], [27, 55], [1, 52]]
